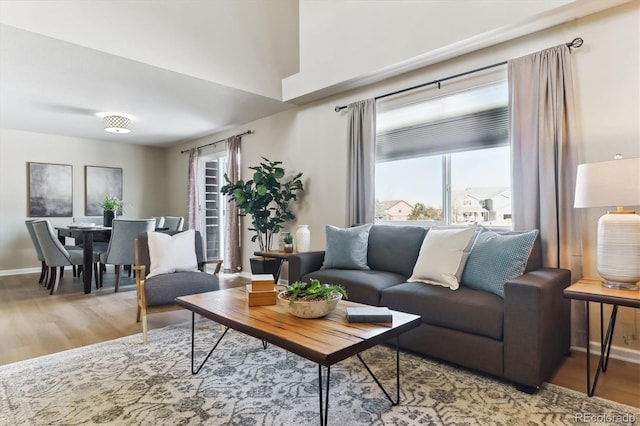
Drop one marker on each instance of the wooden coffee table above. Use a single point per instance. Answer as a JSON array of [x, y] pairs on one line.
[[324, 341]]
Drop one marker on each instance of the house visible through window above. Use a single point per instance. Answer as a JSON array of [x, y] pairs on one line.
[[446, 160]]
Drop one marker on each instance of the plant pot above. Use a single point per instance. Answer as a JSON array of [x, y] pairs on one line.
[[107, 217], [314, 309], [264, 265], [288, 248]]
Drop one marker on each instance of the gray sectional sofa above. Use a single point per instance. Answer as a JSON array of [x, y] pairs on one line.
[[520, 337]]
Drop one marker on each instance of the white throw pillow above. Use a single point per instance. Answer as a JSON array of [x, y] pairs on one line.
[[172, 253], [442, 256]]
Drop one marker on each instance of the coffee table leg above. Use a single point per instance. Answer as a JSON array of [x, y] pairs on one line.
[[325, 411], [193, 352], [397, 374]]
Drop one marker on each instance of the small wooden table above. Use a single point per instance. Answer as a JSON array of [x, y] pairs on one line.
[[592, 290], [324, 341], [275, 254]]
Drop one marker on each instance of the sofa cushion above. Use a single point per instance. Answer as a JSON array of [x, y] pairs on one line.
[[466, 310], [497, 258], [346, 248], [394, 248], [163, 289], [443, 255], [362, 286]]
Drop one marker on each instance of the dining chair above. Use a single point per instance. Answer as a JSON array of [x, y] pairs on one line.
[[121, 251], [96, 220], [36, 245], [159, 221], [98, 246], [55, 254], [44, 272], [173, 223]]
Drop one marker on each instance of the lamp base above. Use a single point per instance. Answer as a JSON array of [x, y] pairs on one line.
[[620, 286]]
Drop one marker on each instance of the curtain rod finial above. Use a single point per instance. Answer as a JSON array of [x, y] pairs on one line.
[[576, 42]]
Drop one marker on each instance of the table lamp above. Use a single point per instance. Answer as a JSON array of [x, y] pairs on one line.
[[614, 183]]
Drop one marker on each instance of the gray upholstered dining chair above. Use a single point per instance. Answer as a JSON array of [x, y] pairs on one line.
[[159, 221], [120, 251], [44, 272], [36, 245], [173, 223], [157, 293], [55, 254]]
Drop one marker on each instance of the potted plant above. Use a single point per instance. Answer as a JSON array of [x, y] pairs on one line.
[[288, 243], [266, 198], [111, 205], [312, 299]]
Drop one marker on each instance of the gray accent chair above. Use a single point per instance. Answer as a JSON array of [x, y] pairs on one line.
[[120, 250], [55, 254], [158, 293], [173, 223]]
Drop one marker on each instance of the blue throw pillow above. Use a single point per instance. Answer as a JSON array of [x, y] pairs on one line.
[[346, 247], [496, 259]]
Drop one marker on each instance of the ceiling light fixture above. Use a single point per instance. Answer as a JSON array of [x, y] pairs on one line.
[[116, 124]]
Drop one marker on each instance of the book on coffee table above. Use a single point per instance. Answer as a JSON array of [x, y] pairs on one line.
[[369, 314]]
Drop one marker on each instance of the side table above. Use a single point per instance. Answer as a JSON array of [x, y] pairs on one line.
[[592, 290], [275, 254]]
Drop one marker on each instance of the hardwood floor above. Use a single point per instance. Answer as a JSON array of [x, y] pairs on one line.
[[33, 323]]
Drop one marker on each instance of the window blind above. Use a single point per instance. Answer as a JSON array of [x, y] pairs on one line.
[[478, 130]]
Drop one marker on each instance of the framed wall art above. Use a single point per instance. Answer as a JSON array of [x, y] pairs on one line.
[[98, 183], [50, 189]]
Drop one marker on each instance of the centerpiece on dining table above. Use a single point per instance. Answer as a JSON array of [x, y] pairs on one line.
[[111, 205], [311, 299]]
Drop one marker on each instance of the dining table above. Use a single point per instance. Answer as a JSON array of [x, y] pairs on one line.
[[86, 235]]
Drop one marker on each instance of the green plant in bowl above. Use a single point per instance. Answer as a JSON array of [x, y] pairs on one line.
[[312, 299], [312, 291]]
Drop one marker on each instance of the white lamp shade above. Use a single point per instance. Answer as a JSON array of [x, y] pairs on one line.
[[608, 184]]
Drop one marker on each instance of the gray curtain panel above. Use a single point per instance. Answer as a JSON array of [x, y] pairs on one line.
[[232, 249], [193, 189], [545, 155], [361, 162]]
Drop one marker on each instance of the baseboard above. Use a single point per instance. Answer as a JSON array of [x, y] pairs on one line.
[[617, 352], [20, 271]]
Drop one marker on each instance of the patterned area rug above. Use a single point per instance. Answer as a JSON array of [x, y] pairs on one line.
[[123, 382]]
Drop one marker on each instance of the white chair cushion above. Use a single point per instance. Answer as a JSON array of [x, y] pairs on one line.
[[169, 254]]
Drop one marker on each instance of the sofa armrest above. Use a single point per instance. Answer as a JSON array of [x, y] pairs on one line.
[[537, 325], [301, 264]]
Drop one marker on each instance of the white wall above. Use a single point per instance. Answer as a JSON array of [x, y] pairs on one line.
[[346, 44], [245, 44], [312, 137], [143, 171]]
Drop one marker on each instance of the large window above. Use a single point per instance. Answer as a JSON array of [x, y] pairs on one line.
[[446, 160]]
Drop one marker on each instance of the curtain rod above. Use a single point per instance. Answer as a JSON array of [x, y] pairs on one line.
[[575, 43], [248, 132]]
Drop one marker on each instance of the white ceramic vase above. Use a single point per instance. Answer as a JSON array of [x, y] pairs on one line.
[[303, 238]]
